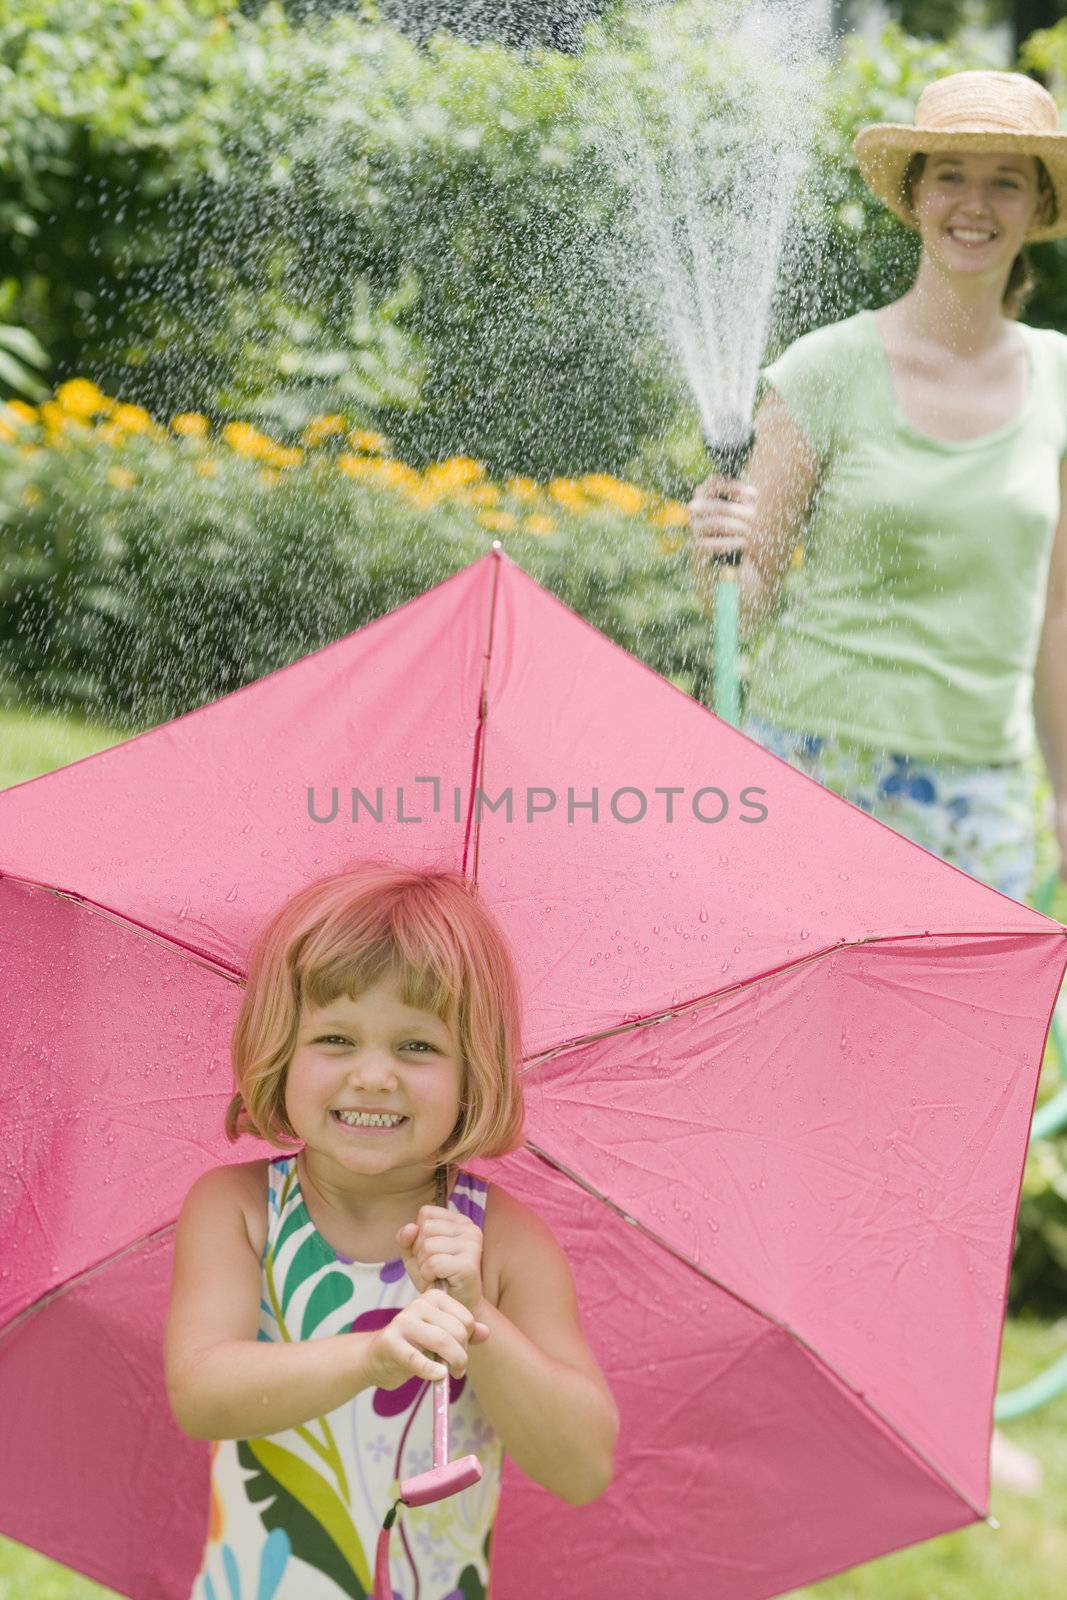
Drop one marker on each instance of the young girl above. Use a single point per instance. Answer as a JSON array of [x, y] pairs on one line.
[[923, 449], [379, 1030]]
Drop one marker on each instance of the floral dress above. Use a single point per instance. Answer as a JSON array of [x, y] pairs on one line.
[[296, 1516]]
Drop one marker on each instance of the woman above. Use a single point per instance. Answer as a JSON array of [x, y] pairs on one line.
[[923, 449]]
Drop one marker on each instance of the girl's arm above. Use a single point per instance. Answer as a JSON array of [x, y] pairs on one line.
[[535, 1377], [222, 1382]]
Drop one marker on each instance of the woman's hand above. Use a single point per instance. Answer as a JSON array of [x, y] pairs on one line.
[[434, 1322], [721, 515], [443, 1244]]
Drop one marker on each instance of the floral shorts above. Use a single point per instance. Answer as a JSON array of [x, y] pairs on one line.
[[981, 819]]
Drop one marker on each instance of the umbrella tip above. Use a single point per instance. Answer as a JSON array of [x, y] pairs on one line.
[[497, 545], [993, 1523]]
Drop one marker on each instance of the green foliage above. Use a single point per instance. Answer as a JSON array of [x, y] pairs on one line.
[[17, 346]]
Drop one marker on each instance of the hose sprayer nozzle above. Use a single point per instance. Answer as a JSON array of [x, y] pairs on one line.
[[729, 446]]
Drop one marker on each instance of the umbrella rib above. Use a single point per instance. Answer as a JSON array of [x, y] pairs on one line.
[[478, 753], [762, 977], [767, 1316], [139, 930], [81, 1277]]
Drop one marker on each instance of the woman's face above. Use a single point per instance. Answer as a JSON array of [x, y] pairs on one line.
[[974, 210]]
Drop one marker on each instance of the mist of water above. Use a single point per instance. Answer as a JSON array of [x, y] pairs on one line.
[[711, 144]]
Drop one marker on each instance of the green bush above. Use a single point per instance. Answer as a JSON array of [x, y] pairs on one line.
[[148, 571]]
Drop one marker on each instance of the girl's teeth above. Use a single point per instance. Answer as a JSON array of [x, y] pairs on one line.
[[369, 1122]]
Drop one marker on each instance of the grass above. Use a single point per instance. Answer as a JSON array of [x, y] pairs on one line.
[[1027, 1554]]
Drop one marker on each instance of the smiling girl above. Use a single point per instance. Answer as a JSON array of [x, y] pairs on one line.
[[379, 1031]]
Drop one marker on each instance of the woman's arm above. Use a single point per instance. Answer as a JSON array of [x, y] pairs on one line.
[[535, 1377], [785, 472], [1050, 674]]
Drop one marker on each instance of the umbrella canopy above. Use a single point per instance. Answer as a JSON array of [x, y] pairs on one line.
[[779, 1063]]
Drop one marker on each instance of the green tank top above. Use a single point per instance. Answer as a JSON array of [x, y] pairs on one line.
[[913, 622]]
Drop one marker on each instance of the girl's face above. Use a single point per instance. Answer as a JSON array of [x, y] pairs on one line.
[[374, 1054], [973, 210]]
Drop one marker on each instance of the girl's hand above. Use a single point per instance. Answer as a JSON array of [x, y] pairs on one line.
[[721, 515], [443, 1244], [434, 1322]]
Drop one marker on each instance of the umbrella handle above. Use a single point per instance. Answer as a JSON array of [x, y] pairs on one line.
[[444, 1478], [440, 1388]]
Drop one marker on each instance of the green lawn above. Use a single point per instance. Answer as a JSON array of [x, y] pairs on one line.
[[1027, 1554]]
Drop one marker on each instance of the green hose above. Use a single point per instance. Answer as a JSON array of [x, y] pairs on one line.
[[727, 682]]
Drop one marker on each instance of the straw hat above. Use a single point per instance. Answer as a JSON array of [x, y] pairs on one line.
[[969, 111]]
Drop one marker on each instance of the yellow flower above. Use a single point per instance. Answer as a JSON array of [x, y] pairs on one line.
[[322, 428], [7, 432], [54, 417], [625, 497], [245, 440], [453, 473], [567, 493], [110, 433], [283, 456], [667, 544], [31, 495], [798, 556], [498, 521], [540, 524], [191, 424], [207, 469], [269, 477], [671, 515], [523, 488], [81, 398], [391, 474], [483, 494], [21, 409], [120, 477], [134, 419], [373, 443], [395, 474]]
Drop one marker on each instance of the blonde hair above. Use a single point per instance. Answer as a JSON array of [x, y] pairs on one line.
[[343, 933], [1020, 285]]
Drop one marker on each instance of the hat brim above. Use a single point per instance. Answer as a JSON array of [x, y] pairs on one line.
[[883, 149]]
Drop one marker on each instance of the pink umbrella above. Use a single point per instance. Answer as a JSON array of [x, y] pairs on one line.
[[780, 1065]]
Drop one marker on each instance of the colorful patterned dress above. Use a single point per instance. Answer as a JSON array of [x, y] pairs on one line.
[[295, 1516]]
